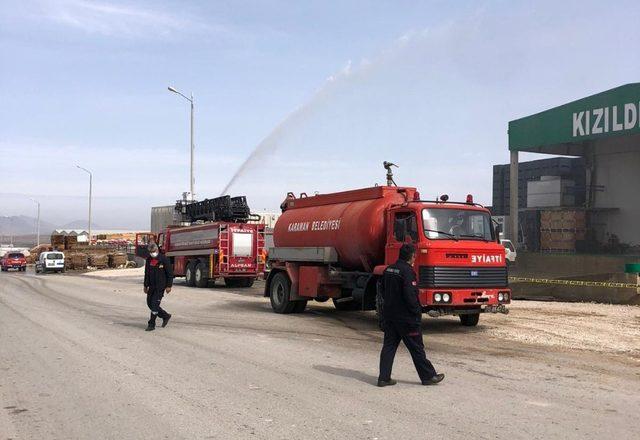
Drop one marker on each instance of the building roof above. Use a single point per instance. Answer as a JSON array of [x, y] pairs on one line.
[[93, 232], [569, 128], [70, 232]]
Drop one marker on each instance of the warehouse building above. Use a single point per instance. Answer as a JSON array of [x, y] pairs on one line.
[[603, 132], [567, 172], [545, 187]]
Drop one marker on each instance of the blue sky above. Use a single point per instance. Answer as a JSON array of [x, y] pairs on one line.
[[346, 85]]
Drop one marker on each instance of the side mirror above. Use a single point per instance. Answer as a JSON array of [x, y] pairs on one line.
[[498, 230]]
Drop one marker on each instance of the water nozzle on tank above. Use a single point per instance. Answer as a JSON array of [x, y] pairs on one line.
[[387, 166]]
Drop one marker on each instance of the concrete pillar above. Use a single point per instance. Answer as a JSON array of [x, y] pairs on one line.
[[513, 198]]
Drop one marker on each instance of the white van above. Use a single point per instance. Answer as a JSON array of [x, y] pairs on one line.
[[50, 262], [509, 250]]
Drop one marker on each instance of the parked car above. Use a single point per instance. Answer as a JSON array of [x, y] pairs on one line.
[[13, 260], [50, 262], [509, 250]]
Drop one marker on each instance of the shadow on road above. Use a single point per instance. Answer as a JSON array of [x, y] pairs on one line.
[[355, 320], [141, 325], [351, 374]]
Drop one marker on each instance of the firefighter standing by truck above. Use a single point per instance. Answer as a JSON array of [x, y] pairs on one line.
[[158, 278], [401, 317]]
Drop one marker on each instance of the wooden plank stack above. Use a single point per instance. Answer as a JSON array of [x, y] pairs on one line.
[[76, 261], [36, 251], [560, 230], [70, 242], [99, 261], [57, 241], [117, 260]]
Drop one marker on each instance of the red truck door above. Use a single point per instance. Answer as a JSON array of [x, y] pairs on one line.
[[402, 228]]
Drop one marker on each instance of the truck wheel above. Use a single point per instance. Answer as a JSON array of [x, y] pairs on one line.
[[470, 320], [200, 275], [346, 306], [189, 275], [280, 294], [299, 306], [231, 282], [246, 282]]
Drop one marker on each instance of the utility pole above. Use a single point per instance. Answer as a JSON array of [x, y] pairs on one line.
[[38, 223], [90, 196], [191, 178]]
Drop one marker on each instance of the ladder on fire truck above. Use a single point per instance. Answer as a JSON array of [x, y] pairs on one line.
[[223, 250], [260, 250]]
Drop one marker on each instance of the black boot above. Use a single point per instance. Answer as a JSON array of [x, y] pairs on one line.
[[165, 319], [434, 380], [152, 323]]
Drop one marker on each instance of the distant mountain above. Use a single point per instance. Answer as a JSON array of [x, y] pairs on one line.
[[79, 224], [23, 225]]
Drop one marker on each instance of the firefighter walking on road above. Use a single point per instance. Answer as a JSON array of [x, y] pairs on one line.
[[401, 318], [158, 278]]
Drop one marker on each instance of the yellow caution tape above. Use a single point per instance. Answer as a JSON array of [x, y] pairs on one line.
[[575, 283]]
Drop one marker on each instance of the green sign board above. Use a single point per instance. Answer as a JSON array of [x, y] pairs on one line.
[[615, 112]]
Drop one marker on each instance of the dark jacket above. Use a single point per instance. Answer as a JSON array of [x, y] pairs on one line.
[[158, 273], [400, 294]]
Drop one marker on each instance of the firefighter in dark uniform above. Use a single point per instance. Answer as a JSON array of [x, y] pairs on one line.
[[158, 278], [401, 318]]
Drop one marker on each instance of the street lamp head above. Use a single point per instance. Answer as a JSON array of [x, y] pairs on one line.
[[171, 89], [83, 169]]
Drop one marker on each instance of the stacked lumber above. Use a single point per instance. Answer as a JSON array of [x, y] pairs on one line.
[[36, 251], [57, 241], [70, 242], [99, 261], [76, 261], [560, 230], [117, 260]]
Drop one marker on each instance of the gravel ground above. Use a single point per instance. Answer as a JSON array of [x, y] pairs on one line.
[[597, 327]]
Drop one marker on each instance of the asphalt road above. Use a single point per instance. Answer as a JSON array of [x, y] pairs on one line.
[[76, 363]]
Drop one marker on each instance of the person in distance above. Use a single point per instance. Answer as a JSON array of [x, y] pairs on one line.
[[158, 279]]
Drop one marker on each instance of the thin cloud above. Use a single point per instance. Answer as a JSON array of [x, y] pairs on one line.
[[115, 20]]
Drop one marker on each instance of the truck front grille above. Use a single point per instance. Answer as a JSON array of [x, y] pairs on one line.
[[439, 276]]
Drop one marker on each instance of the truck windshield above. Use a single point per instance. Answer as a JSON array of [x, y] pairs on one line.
[[445, 223]]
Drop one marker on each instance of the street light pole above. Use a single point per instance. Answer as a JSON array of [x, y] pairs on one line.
[[191, 178], [38, 224], [90, 196]]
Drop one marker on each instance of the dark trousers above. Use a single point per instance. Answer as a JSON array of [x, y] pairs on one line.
[[154, 298], [411, 335]]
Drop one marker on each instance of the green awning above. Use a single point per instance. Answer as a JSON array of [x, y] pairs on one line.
[[568, 128]]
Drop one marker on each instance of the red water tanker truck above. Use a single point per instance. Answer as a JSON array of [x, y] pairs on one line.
[[336, 246]]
